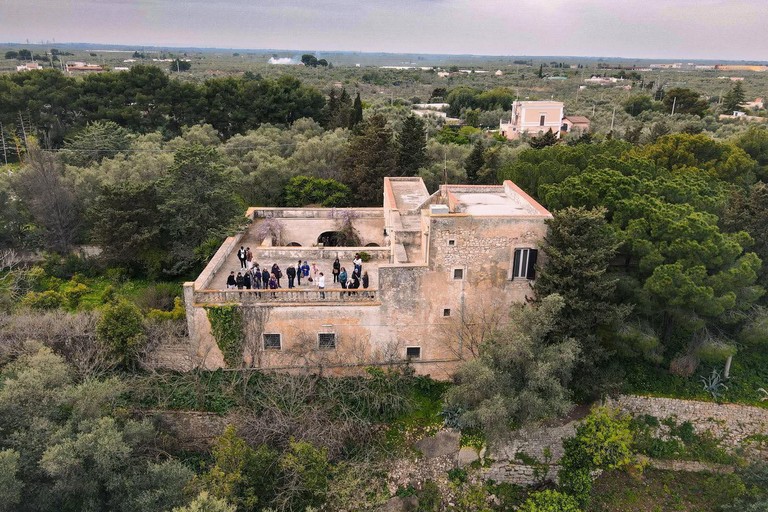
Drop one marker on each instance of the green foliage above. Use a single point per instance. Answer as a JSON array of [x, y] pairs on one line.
[[371, 156], [74, 451], [10, 485], [177, 313], [580, 247], [98, 140], [679, 442], [429, 497], [411, 147], [364, 256], [604, 440], [519, 376], [48, 299], [179, 65], [685, 101], [204, 502], [544, 140], [303, 480], [734, 98], [475, 162], [121, 330], [636, 105], [307, 190], [239, 474], [550, 501], [227, 329], [755, 495]]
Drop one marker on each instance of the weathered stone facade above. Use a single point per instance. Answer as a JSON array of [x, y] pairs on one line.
[[434, 261]]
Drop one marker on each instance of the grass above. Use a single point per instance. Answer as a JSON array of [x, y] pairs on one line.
[[749, 372], [663, 491]]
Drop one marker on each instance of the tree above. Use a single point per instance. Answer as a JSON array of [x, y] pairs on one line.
[[636, 105], [204, 502], [357, 112], [519, 376], [544, 140], [747, 210], [307, 190], [734, 98], [411, 147], [580, 247], [540, 74], [309, 60], [303, 480], [121, 330], [197, 203], [96, 141], [11, 55], [371, 157], [10, 485], [25, 54], [179, 65], [754, 142], [239, 474], [475, 162], [53, 205], [685, 101]]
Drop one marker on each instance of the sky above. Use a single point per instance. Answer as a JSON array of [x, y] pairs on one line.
[[669, 29]]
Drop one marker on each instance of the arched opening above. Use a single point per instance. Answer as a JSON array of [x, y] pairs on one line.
[[372, 244], [294, 244], [338, 239]]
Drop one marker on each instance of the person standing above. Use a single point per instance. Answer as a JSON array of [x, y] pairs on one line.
[[241, 256], [315, 270], [248, 258], [265, 278], [277, 273], [272, 284], [298, 273], [358, 263], [231, 281], [343, 278], [247, 280], [256, 278], [305, 269], [336, 269], [321, 284], [291, 272], [366, 282], [239, 281]]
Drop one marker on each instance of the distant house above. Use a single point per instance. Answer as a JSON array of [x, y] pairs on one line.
[[83, 67], [578, 124], [28, 66], [758, 104], [533, 118], [498, 72]]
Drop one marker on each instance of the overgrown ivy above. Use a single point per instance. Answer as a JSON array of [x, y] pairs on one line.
[[227, 329]]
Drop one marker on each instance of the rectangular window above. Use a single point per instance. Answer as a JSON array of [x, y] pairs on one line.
[[451, 242], [446, 312], [542, 119], [272, 341], [412, 353], [524, 264], [326, 340], [458, 273]]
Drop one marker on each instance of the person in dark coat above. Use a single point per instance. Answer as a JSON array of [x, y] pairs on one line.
[[366, 282], [265, 278], [231, 282], [247, 280], [336, 269], [298, 273], [291, 272], [273, 285], [277, 273], [239, 281]]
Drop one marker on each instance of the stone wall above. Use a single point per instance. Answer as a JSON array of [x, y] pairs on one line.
[[732, 423]]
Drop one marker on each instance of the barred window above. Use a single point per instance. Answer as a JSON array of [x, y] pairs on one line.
[[272, 341], [326, 340]]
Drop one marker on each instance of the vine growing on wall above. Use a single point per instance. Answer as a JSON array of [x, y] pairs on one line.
[[227, 329]]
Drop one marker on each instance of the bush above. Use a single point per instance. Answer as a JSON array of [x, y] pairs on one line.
[[177, 313], [73, 291], [121, 330], [43, 300], [550, 501]]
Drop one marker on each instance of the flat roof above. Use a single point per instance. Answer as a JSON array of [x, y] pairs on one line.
[[506, 200]]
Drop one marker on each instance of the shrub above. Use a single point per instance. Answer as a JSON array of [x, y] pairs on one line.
[[365, 256], [43, 300], [177, 313], [550, 501], [73, 291], [121, 330]]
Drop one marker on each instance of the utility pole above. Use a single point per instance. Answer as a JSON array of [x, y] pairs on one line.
[[2, 141], [674, 103], [445, 166], [613, 118]]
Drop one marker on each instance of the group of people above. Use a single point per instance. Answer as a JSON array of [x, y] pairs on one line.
[[251, 276]]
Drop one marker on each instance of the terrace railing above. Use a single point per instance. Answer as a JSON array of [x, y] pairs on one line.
[[285, 296]]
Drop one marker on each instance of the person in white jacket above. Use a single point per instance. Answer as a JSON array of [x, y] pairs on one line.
[[321, 285]]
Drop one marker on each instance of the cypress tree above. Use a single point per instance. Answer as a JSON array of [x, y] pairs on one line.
[[411, 147], [474, 163], [357, 112]]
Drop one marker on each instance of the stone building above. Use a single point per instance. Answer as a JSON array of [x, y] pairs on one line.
[[439, 265]]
